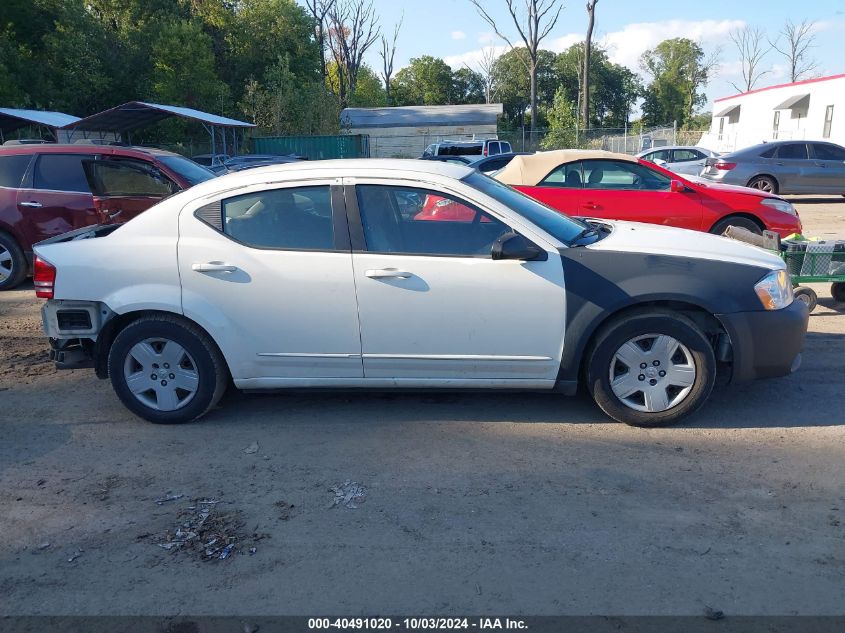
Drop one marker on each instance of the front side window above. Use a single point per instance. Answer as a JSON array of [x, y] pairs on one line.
[[620, 175], [188, 169], [505, 147], [61, 172], [794, 151], [825, 151], [297, 218], [414, 221], [12, 169]]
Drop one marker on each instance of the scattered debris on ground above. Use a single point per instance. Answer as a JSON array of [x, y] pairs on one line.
[[75, 555], [252, 449], [210, 534], [713, 614], [286, 510], [166, 498], [349, 494]]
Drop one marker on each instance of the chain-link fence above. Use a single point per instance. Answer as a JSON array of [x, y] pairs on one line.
[[621, 140]]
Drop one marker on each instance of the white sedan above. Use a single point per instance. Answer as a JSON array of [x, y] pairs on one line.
[[371, 274]]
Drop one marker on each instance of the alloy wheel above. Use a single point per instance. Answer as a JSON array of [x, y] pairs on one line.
[[7, 264]]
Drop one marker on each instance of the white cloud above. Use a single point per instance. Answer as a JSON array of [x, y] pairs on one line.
[[459, 35], [472, 58], [626, 45]]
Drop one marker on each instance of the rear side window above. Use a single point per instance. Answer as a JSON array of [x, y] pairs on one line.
[[795, 151], [567, 175], [61, 172], [823, 151], [769, 153], [505, 147], [294, 218], [12, 169], [681, 155], [462, 149]]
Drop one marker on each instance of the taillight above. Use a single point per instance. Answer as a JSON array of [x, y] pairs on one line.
[[43, 278], [723, 166]]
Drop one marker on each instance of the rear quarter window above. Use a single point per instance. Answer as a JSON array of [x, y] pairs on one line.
[[12, 169]]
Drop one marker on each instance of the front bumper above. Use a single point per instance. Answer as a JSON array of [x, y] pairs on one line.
[[766, 343]]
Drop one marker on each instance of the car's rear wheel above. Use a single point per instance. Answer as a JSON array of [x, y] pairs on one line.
[[764, 183], [837, 291], [736, 220], [166, 370], [13, 266], [651, 368]]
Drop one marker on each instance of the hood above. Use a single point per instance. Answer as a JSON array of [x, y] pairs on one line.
[[634, 237]]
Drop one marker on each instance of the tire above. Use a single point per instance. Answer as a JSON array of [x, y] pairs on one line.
[[837, 291], [13, 265], [808, 296], [736, 220], [764, 183], [190, 373], [635, 337]]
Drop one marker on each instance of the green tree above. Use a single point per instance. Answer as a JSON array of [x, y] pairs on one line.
[[467, 87], [369, 91], [679, 71], [282, 104], [562, 122], [512, 86], [425, 80], [183, 68], [614, 88]]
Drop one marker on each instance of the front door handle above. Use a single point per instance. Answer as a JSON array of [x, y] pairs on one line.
[[590, 205], [32, 204], [387, 273], [214, 267]]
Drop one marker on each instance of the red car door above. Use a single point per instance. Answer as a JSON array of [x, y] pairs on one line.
[[124, 188], [57, 198], [561, 189], [622, 190]]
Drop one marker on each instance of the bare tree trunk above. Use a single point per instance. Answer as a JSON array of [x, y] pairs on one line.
[[388, 52], [800, 38], [533, 26], [748, 42], [585, 72], [318, 10], [354, 29]]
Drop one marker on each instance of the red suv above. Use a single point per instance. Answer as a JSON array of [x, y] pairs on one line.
[[44, 192]]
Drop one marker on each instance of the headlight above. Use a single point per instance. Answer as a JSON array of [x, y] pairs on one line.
[[774, 290], [779, 205]]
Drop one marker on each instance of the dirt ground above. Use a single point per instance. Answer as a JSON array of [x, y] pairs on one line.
[[436, 504]]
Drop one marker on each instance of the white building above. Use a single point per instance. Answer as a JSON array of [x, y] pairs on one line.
[[801, 110], [405, 132]]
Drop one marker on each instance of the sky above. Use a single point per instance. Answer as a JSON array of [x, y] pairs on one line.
[[452, 29]]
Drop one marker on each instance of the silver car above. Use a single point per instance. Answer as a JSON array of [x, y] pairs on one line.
[[783, 167], [682, 159]]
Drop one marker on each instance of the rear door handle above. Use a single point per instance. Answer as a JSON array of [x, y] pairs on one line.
[[387, 273], [214, 267], [32, 204]]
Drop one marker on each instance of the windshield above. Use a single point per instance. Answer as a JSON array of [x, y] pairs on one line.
[[556, 224], [187, 169]]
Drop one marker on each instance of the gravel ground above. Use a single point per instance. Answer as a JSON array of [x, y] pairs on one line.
[[436, 504]]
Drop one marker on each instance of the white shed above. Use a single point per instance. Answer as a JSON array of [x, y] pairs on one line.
[[800, 110], [405, 132]]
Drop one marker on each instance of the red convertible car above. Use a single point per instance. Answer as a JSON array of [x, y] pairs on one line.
[[620, 187]]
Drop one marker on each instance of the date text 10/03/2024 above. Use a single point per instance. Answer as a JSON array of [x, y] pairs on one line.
[[415, 624]]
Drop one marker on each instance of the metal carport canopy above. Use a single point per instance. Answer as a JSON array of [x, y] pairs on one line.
[[12, 119], [137, 114]]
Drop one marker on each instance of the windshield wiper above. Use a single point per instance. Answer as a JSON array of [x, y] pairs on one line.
[[587, 232]]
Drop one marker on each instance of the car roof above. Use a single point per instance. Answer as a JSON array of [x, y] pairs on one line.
[[84, 148], [662, 147], [530, 170]]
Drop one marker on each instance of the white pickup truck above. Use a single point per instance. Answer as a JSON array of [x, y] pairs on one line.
[[346, 274]]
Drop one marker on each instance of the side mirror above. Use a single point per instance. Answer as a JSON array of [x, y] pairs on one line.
[[677, 186], [515, 246], [659, 162]]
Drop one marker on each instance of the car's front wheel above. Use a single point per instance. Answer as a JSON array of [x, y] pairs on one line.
[[166, 370], [651, 368]]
